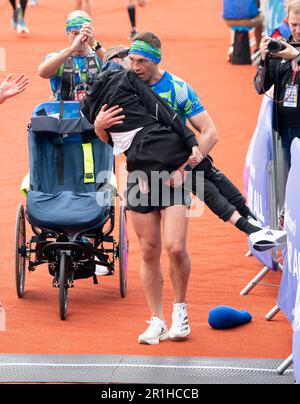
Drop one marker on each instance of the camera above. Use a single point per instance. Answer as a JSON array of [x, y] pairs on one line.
[[275, 46]]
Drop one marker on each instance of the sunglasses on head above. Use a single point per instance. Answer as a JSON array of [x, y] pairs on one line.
[[120, 55]]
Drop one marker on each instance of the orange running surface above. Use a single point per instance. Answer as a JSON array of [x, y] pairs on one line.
[[195, 41]]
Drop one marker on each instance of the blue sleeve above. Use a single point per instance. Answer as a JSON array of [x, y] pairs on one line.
[[189, 101]]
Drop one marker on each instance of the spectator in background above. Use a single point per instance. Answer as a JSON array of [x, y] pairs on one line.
[[10, 88], [18, 21], [282, 70], [84, 5], [132, 15], [72, 69], [239, 50]]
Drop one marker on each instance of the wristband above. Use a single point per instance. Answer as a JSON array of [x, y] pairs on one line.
[[96, 46]]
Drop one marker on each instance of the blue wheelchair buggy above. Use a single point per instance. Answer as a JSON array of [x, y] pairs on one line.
[[71, 204]]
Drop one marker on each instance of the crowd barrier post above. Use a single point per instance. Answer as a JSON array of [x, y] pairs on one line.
[[276, 309], [285, 365]]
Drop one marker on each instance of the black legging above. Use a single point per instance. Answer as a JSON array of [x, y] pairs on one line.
[[23, 4], [132, 15], [220, 194]]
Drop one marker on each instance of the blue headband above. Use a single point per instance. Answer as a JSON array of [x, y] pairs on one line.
[[76, 23], [146, 50]]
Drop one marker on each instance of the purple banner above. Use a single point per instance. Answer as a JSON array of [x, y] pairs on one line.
[[256, 174], [296, 355], [289, 294]]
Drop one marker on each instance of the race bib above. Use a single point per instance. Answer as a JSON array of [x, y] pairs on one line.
[[80, 93], [80, 96], [291, 96]]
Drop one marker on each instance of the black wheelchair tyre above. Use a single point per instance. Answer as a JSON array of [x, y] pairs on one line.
[[63, 286], [123, 251], [20, 251]]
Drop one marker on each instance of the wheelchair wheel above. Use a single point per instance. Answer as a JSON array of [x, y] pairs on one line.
[[20, 251], [123, 251], [63, 286]]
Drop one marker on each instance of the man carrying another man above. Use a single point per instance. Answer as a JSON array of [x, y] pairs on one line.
[[145, 56]]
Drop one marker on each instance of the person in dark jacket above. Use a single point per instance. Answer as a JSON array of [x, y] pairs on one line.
[[282, 70]]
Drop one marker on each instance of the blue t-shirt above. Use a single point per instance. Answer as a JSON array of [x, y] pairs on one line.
[[80, 65], [179, 95]]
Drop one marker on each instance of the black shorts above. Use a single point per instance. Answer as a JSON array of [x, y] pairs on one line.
[[158, 198]]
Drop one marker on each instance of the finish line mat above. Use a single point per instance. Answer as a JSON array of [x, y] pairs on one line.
[[139, 369]]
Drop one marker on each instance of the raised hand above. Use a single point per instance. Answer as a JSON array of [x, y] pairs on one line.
[[89, 33], [9, 88]]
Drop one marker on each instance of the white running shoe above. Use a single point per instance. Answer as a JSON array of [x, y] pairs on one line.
[[156, 332], [180, 329], [22, 27], [267, 239]]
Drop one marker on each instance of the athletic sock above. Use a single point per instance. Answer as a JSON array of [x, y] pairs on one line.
[[131, 12], [243, 225], [246, 212]]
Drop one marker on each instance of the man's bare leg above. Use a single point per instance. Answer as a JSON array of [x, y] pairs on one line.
[[148, 231], [84, 5], [175, 220]]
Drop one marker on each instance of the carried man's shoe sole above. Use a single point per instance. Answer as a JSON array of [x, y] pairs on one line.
[[276, 240]]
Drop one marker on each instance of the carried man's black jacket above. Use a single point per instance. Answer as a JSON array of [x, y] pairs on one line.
[[163, 144], [141, 106]]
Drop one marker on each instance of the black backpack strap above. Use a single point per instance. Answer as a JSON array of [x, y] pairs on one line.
[[68, 81], [93, 69]]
